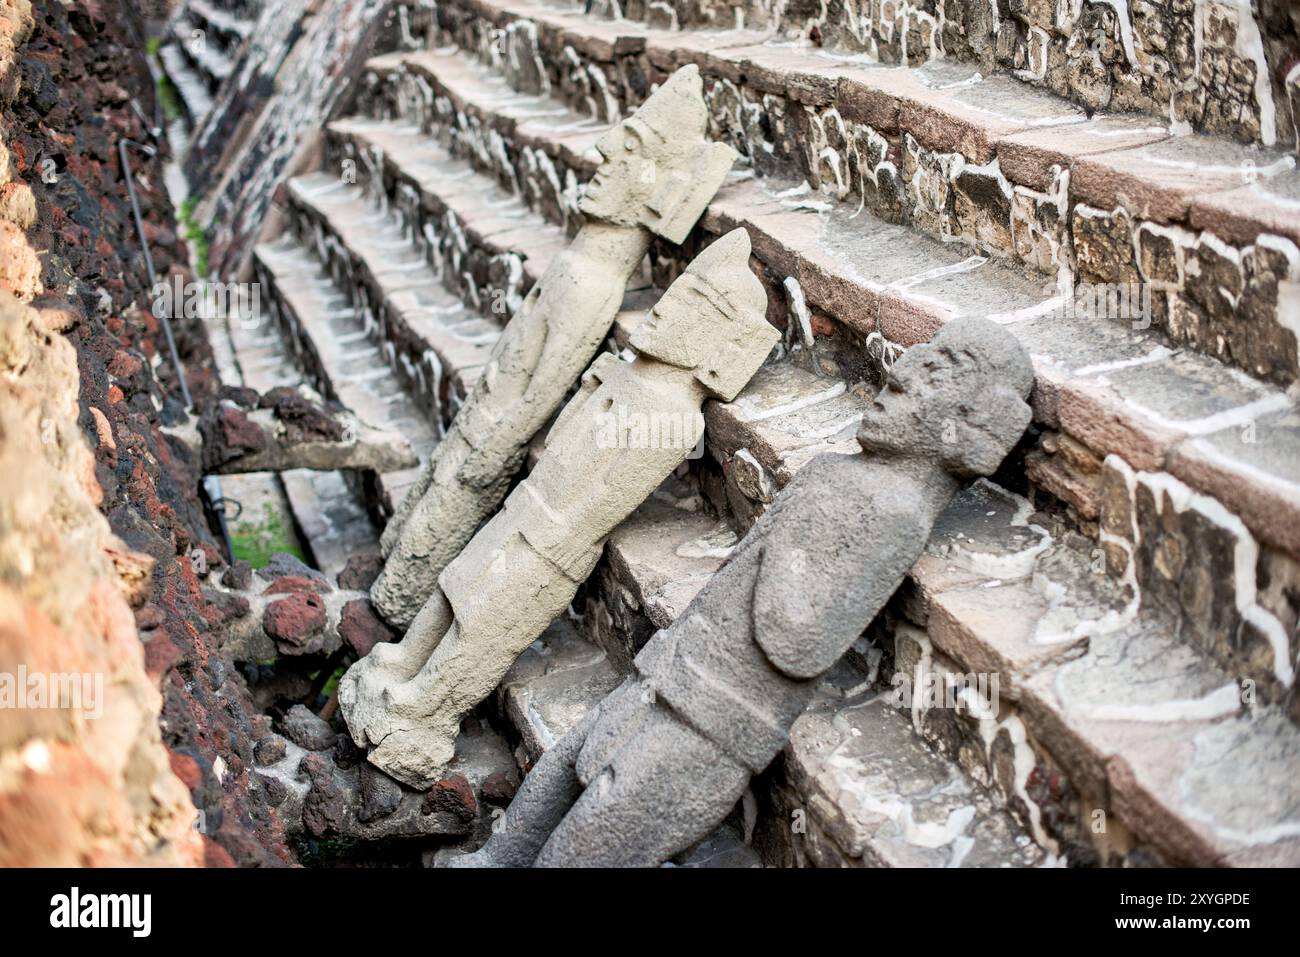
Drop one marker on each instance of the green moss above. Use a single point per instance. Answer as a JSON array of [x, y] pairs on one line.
[[333, 683], [151, 46], [255, 542], [196, 234], [169, 98]]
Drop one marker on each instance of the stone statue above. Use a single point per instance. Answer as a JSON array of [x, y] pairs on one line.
[[664, 758], [658, 175], [631, 423]]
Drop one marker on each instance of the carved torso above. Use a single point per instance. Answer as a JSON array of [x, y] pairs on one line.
[[804, 583]]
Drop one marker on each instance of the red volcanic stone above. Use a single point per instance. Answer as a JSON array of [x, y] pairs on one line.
[[295, 619], [124, 365], [499, 788], [361, 571], [187, 769], [214, 855], [291, 584], [451, 795], [238, 431], [160, 655], [361, 628]]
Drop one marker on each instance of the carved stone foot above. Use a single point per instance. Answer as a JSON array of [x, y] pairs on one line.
[[416, 756]]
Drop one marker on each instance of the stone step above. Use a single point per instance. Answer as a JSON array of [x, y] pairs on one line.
[[439, 343], [193, 91], [987, 163], [1044, 46], [858, 787], [464, 211], [1108, 389], [1114, 389], [232, 28], [203, 53], [324, 510], [332, 344]]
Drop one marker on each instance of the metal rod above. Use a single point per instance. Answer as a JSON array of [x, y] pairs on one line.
[[122, 144]]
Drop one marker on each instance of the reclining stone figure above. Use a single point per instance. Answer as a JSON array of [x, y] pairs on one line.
[[662, 760], [704, 338], [658, 175]]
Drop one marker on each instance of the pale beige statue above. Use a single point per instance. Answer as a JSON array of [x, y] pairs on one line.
[[658, 175], [630, 425]]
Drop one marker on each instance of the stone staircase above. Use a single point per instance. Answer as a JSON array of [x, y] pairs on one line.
[[201, 49], [1128, 579]]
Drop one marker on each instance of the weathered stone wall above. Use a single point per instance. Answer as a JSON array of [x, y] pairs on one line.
[[103, 530]]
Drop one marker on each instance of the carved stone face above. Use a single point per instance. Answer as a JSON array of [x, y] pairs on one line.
[[634, 158], [658, 171], [957, 400], [712, 319]]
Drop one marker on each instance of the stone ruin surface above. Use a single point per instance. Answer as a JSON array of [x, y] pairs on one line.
[[657, 175], [704, 339], [84, 776]]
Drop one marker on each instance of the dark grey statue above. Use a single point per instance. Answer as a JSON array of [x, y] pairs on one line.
[[663, 759]]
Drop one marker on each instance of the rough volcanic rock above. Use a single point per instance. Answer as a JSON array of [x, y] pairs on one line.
[[308, 730], [451, 795], [227, 434], [361, 571], [282, 564], [380, 795], [295, 619], [305, 420], [361, 628]]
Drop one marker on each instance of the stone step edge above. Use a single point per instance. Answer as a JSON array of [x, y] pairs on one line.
[[214, 64], [300, 487], [543, 238], [459, 376], [534, 242], [192, 90], [1117, 225], [219, 19]]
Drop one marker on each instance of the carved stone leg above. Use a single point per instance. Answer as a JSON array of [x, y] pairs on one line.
[[438, 526], [661, 788], [362, 688], [541, 803]]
